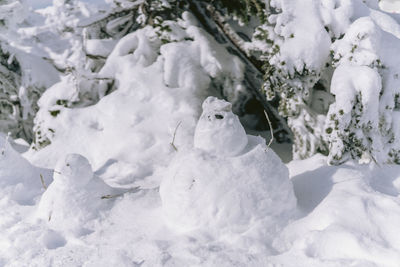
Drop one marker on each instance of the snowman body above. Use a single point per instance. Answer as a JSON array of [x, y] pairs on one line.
[[74, 198], [228, 187]]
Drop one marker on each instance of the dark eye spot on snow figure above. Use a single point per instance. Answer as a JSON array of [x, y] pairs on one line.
[[219, 116]]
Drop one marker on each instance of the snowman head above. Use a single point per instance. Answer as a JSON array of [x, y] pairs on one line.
[[73, 170], [219, 130]]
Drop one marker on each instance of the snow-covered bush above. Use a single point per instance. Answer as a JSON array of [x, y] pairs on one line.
[[306, 44], [23, 75], [189, 60], [299, 46], [365, 118], [228, 182]]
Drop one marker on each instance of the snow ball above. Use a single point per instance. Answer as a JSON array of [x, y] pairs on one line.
[[74, 170], [219, 130], [225, 194]]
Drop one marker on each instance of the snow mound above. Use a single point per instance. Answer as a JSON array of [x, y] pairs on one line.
[[75, 196], [219, 131], [203, 190], [350, 216], [18, 178]]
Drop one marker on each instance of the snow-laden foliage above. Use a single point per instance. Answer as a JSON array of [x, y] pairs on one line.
[[365, 118], [188, 56], [304, 44]]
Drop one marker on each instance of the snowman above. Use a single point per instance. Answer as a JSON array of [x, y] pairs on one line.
[[219, 131], [229, 182], [75, 196], [17, 176]]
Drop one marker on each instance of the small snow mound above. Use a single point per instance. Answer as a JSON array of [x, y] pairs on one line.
[[75, 197], [17, 176], [219, 131], [206, 189]]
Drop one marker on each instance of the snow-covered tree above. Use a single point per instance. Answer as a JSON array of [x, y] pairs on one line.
[[330, 64], [16, 101], [295, 55]]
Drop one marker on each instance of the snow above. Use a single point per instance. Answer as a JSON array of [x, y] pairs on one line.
[[75, 196], [367, 49], [390, 6], [20, 181], [219, 131], [160, 172], [220, 191], [356, 207], [305, 30], [353, 205]]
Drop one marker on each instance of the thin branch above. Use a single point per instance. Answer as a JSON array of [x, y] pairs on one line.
[[270, 128], [134, 190], [173, 138], [43, 183]]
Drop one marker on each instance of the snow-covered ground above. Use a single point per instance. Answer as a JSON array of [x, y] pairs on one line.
[[345, 216]]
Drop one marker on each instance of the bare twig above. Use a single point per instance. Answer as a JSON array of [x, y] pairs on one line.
[[270, 128], [43, 183], [173, 138], [135, 189]]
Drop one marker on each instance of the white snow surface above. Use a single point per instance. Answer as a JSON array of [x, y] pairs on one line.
[[345, 216], [145, 177], [20, 181]]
